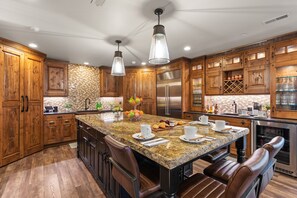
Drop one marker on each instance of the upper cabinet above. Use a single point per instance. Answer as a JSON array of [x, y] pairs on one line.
[[140, 82], [284, 79], [56, 78], [197, 89], [233, 61], [110, 86], [213, 77], [257, 71]]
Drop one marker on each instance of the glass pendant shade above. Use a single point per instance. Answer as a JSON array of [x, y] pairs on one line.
[[159, 51], [118, 67]]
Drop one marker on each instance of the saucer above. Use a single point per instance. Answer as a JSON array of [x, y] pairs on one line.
[[198, 122], [196, 140], [138, 136], [222, 130]]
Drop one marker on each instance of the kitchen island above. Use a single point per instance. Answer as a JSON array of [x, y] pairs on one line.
[[172, 157]]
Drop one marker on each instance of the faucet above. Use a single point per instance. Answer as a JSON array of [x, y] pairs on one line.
[[235, 106], [87, 102]]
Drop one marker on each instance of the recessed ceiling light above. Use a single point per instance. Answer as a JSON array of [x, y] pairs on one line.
[[133, 62], [33, 45], [35, 28], [143, 63], [86, 63], [187, 48]]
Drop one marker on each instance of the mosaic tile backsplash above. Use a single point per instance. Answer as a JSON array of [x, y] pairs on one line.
[[84, 83], [243, 101]]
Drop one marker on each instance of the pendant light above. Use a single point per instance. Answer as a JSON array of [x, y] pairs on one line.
[[159, 51], [118, 67]]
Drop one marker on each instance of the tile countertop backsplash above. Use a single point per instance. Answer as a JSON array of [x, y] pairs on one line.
[[84, 82], [243, 101]]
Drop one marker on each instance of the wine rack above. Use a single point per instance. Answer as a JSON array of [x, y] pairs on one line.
[[233, 86]]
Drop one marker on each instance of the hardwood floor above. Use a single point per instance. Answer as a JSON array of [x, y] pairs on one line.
[[56, 172]]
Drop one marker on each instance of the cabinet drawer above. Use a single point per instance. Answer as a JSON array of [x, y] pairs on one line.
[[89, 130], [188, 116]]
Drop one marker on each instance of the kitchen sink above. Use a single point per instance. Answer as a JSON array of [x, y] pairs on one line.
[[230, 113]]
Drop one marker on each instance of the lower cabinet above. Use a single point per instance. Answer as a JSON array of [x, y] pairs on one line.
[[59, 128], [93, 151], [240, 122]]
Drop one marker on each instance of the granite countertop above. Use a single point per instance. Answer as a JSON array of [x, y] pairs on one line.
[[169, 155], [76, 112], [290, 121]]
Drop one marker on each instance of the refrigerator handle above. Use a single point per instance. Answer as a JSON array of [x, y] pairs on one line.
[[168, 104], [166, 100]]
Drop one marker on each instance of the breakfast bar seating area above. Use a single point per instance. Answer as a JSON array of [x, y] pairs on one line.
[[171, 149]]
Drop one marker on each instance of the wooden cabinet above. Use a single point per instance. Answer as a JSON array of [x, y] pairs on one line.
[[240, 122], [110, 86], [56, 78], [188, 116], [21, 102], [94, 153], [257, 71], [197, 83], [213, 76], [59, 128], [140, 82], [284, 79], [233, 61]]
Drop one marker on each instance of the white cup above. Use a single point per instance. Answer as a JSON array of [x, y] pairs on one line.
[[203, 119], [146, 130], [244, 112], [220, 124], [190, 131]]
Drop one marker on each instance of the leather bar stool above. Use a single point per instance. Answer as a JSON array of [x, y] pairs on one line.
[[126, 172], [224, 169], [243, 183]]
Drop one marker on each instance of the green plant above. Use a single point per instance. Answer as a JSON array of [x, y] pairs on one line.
[[266, 107], [68, 105]]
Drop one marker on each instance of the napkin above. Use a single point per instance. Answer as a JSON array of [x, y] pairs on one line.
[[155, 143]]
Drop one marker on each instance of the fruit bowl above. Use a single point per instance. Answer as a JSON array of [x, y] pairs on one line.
[[134, 115]]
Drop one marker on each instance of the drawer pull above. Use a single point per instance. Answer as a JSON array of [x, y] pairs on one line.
[[59, 117], [242, 122], [51, 122], [80, 126], [86, 139], [88, 128], [92, 144], [66, 121]]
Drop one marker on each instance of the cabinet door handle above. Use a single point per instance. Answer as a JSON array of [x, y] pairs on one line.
[[242, 122], [88, 128], [23, 108], [246, 86], [273, 109], [92, 144], [51, 122], [27, 98], [86, 139], [80, 126]]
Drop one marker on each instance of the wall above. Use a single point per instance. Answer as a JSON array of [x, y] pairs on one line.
[[84, 82], [243, 101]]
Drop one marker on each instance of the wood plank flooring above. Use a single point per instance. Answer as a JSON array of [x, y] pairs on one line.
[[56, 172]]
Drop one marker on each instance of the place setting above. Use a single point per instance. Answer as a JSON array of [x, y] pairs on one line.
[[147, 137], [191, 136], [221, 127], [202, 120]]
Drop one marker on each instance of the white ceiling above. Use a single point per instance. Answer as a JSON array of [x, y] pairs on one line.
[[78, 31]]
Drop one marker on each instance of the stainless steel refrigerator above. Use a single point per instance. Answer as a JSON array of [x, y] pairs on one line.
[[169, 92]]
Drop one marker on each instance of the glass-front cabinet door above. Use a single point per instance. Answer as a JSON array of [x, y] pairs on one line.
[[197, 84], [284, 79]]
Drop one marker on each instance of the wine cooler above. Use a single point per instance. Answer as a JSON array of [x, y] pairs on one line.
[[264, 131]]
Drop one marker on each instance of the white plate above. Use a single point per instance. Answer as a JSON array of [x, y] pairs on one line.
[[221, 130], [199, 139], [138, 136], [198, 122]]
